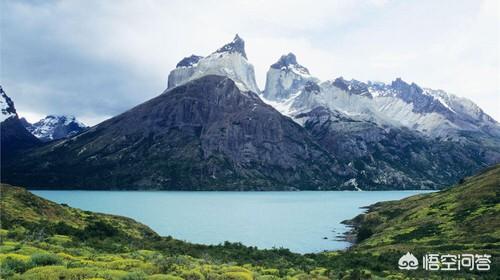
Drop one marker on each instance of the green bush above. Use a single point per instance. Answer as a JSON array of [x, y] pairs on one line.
[[192, 275], [238, 275], [163, 277], [44, 260], [10, 266], [137, 275]]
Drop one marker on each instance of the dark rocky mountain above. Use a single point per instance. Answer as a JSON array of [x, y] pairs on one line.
[[54, 127], [204, 135], [14, 137], [352, 87], [390, 157]]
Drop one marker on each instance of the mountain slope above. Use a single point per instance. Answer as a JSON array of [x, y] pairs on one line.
[[463, 218], [206, 134], [14, 137], [385, 156], [18, 205], [396, 135], [54, 127]]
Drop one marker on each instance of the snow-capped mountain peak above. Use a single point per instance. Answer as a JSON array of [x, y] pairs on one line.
[[286, 78], [289, 62], [6, 106], [237, 45], [229, 61], [399, 103], [352, 87], [54, 127]]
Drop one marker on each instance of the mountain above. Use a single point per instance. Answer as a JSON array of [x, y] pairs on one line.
[[229, 61], [54, 127], [206, 134], [285, 78], [212, 129], [14, 137], [384, 157], [390, 135], [435, 113], [463, 218]]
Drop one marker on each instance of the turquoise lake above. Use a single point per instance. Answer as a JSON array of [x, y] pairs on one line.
[[299, 221]]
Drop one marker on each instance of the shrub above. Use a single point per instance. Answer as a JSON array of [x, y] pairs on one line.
[[163, 277], [12, 265], [45, 259], [100, 229], [136, 275], [238, 275], [363, 233], [45, 273], [192, 275]]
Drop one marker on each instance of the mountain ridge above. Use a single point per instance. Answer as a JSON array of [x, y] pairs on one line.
[[205, 134], [223, 133], [54, 127]]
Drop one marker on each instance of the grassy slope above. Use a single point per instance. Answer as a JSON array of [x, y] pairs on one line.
[[44, 240], [465, 217], [20, 207]]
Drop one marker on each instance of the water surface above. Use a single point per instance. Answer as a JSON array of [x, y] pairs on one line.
[[298, 221]]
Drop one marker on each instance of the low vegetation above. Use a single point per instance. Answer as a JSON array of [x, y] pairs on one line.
[[41, 239]]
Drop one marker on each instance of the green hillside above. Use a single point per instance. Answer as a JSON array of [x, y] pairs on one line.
[[464, 217]]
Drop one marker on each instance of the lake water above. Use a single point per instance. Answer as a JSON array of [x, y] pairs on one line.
[[298, 221]]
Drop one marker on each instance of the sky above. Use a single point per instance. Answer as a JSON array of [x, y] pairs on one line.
[[96, 59]]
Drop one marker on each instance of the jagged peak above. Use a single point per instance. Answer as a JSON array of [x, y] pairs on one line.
[[285, 60], [189, 61], [289, 60], [64, 119], [400, 85], [237, 45], [6, 106], [353, 86]]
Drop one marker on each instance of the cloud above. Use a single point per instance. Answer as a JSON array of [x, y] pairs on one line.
[[96, 59]]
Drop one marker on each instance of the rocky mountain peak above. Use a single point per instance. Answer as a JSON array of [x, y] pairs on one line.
[[6, 106], [237, 45], [14, 137], [189, 61], [288, 61], [54, 127], [229, 61], [352, 86], [404, 87]]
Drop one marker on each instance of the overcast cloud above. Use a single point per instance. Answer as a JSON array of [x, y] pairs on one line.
[[95, 59]]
